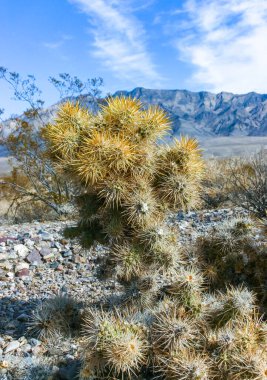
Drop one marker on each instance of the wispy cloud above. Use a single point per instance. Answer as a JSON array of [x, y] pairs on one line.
[[58, 43], [120, 40], [225, 41], [53, 45]]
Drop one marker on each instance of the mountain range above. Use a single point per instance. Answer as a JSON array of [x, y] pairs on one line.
[[204, 114]]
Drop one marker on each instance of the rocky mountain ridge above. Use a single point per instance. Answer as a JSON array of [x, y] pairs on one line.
[[204, 114]]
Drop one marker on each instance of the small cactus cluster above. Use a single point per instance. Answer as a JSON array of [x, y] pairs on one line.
[[113, 345], [176, 319], [223, 339], [231, 254], [54, 317]]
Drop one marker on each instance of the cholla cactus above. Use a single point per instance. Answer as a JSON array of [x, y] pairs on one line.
[[235, 304], [179, 317], [186, 365], [172, 331], [116, 344], [248, 367], [234, 252], [53, 316], [115, 158]]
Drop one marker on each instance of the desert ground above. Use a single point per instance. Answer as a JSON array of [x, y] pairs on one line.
[[232, 146]]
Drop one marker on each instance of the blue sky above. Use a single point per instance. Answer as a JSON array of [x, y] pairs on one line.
[[213, 45]]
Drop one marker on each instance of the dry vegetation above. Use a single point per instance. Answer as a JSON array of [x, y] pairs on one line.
[[237, 182], [20, 201]]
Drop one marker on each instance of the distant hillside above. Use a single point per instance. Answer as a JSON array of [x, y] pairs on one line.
[[203, 114]]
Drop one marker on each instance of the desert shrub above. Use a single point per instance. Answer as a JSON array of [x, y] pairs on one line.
[[248, 178], [23, 203], [34, 188], [170, 322], [240, 181], [216, 185], [34, 179], [56, 316]]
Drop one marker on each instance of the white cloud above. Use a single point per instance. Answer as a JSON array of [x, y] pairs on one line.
[[226, 41], [119, 41], [54, 45]]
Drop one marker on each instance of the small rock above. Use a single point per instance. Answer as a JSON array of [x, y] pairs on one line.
[[21, 266], [79, 259], [12, 256], [26, 348], [69, 357], [36, 350], [23, 273], [29, 243], [34, 342], [67, 254], [54, 265], [45, 251], [21, 250], [26, 235], [23, 317], [3, 256], [12, 346], [34, 258], [46, 236], [57, 245], [48, 257], [22, 340], [10, 275]]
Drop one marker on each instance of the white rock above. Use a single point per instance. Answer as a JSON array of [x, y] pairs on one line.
[[12, 256], [21, 266], [26, 348], [21, 250], [29, 243], [12, 346]]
